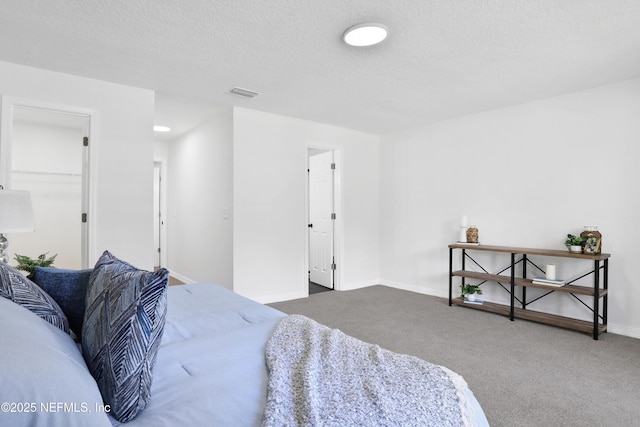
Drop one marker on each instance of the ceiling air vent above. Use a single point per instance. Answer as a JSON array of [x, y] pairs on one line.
[[245, 93]]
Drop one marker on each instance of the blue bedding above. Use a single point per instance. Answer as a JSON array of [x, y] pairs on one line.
[[210, 369]]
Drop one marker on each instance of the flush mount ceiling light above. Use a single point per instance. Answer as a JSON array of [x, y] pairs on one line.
[[162, 128], [365, 34]]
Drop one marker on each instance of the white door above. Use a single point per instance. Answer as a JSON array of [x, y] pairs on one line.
[[49, 158], [320, 219]]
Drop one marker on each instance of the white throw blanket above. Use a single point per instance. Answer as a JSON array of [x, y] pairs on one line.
[[321, 377]]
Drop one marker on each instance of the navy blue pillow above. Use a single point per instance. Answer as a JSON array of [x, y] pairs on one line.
[[68, 288], [123, 324], [22, 291]]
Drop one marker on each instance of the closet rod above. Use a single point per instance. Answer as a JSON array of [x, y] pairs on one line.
[[46, 173]]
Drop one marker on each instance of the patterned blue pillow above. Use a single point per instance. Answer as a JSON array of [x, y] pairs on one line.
[[68, 288], [123, 324], [22, 291]]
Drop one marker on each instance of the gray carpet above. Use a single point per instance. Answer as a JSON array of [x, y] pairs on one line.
[[522, 373]]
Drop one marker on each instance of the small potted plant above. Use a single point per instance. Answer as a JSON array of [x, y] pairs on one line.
[[469, 292], [574, 243], [29, 265]]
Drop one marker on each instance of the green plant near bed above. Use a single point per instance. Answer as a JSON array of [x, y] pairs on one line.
[[29, 265]]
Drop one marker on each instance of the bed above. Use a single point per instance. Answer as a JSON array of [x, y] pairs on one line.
[[212, 368]]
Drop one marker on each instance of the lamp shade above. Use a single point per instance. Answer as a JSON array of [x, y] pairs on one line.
[[16, 213]]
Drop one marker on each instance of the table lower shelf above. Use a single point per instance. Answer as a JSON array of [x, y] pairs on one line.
[[535, 316]]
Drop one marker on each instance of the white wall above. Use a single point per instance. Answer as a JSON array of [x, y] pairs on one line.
[[270, 203], [200, 218], [122, 153], [526, 176]]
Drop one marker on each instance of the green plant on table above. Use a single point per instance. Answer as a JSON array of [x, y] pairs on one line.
[[574, 240], [29, 265]]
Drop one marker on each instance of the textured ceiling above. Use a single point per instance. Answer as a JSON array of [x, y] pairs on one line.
[[443, 58]]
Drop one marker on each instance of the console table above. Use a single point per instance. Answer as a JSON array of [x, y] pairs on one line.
[[597, 291]]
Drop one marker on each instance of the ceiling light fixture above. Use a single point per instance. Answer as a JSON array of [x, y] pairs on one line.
[[161, 128], [365, 34]]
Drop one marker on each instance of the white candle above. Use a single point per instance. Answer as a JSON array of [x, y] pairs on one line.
[[551, 272]]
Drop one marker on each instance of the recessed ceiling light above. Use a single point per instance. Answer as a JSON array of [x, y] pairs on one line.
[[365, 34], [162, 128]]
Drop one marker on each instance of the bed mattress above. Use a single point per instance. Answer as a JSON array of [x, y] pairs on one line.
[[211, 368]]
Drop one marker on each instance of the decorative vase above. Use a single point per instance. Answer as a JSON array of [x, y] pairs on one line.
[[471, 297], [575, 249], [472, 234]]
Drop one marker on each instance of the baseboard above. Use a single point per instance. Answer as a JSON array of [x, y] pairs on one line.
[[268, 299], [397, 285], [418, 289], [180, 277], [623, 330], [358, 285]]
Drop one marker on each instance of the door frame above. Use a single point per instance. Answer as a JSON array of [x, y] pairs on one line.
[[322, 274], [337, 203], [6, 131], [161, 163]]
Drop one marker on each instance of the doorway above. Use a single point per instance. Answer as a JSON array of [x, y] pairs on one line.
[[322, 216], [48, 156], [160, 255]]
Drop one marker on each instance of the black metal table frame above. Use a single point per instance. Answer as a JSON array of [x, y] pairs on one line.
[[525, 261]]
